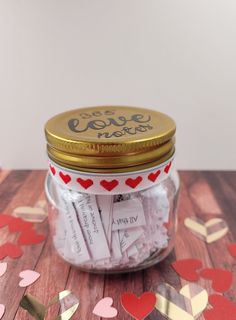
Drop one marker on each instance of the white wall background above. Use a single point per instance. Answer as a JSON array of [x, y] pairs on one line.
[[178, 56]]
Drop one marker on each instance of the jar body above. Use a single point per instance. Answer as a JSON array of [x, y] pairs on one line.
[[113, 233]]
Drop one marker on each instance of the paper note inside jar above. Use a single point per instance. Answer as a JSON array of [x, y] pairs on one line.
[[128, 214], [105, 205], [75, 243], [128, 237], [91, 225]]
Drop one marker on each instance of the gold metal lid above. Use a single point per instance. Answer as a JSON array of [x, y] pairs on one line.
[[109, 138]]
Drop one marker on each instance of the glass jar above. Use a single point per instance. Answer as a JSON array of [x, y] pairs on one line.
[[111, 187]]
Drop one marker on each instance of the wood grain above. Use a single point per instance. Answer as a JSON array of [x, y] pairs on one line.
[[204, 194]]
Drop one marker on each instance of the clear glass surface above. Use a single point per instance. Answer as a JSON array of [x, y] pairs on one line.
[[111, 234]]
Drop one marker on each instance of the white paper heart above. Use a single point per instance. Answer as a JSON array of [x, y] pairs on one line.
[[28, 277], [104, 308]]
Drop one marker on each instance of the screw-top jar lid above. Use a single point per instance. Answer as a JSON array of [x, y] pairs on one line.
[[110, 138]]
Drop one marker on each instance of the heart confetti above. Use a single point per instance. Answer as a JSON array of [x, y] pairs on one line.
[[10, 250], [232, 249], [31, 214], [210, 231], [33, 307], [68, 304], [188, 304], [138, 307], [19, 225], [28, 277], [30, 237], [27, 236], [221, 279], [187, 268], [222, 309], [104, 308], [2, 310], [3, 268]]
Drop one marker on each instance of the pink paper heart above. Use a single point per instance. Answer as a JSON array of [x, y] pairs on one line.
[[104, 308], [28, 277], [2, 310], [3, 268]]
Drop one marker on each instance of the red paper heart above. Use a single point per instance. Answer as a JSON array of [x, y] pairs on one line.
[[65, 177], [5, 220], [18, 224], [138, 307], [154, 175], [10, 250], [232, 249], [109, 185], [167, 167], [187, 268], [221, 279], [223, 309], [133, 182], [29, 237], [85, 183], [53, 170], [14, 224]]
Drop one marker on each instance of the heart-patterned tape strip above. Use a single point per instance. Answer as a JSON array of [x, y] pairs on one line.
[[187, 304], [68, 305], [111, 183], [209, 231]]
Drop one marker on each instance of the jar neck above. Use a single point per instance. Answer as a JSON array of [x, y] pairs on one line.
[[110, 183]]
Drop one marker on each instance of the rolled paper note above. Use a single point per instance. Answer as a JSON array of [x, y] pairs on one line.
[[128, 214], [105, 206], [91, 224], [75, 245], [111, 232]]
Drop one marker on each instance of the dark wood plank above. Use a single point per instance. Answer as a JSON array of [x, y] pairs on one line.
[[10, 186], [89, 288], [4, 174]]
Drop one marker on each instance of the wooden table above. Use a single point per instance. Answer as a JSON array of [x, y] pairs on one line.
[[203, 194]]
